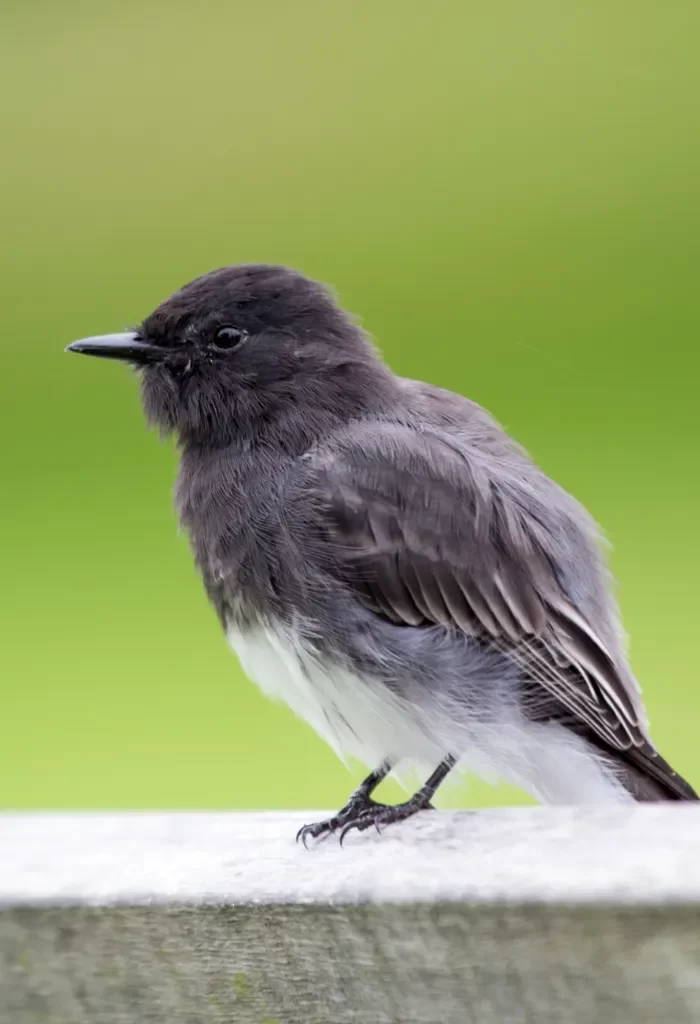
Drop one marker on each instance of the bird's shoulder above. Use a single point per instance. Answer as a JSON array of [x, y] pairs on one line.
[[458, 417], [444, 457]]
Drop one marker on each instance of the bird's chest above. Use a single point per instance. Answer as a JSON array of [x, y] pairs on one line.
[[233, 519]]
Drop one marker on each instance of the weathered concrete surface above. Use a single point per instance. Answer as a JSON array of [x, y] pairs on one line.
[[524, 915]]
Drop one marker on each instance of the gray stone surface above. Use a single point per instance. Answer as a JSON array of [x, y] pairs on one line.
[[522, 915]]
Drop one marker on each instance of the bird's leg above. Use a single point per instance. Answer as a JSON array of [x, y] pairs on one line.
[[382, 814], [359, 802]]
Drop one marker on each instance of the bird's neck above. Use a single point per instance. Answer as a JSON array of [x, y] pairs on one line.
[[298, 414]]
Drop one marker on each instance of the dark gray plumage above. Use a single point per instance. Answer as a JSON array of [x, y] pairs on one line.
[[384, 557]]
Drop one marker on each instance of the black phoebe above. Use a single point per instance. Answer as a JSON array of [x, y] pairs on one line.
[[383, 557]]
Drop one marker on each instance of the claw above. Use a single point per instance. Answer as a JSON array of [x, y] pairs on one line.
[[319, 830], [348, 828], [351, 813], [362, 822], [313, 831]]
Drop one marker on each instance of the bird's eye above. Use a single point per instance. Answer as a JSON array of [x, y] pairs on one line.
[[228, 337]]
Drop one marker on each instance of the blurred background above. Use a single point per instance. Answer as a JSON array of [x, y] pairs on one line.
[[509, 196]]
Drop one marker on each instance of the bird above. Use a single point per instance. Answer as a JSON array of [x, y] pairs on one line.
[[385, 558]]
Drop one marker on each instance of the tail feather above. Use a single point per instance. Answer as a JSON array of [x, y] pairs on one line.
[[649, 778], [640, 768]]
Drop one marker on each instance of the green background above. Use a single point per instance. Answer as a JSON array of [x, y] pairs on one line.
[[509, 195]]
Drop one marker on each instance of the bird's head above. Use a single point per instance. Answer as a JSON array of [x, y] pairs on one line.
[[246, 349]]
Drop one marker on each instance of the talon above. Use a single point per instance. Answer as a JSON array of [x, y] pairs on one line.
[[319, 830], [348, 828], [312, 831]]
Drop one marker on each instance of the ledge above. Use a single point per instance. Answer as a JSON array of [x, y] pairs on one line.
[[543, 914]]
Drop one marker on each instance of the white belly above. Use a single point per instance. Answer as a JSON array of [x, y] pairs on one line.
[[364, 719], [357, 717]]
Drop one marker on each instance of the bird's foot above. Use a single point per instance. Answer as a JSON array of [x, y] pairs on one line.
[[359, 804], [361, 812], [382, 814]]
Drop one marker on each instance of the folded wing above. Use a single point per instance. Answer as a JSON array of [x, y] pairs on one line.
[[426, 533]]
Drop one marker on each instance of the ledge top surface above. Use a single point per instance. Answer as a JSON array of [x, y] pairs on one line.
[[648, 854]]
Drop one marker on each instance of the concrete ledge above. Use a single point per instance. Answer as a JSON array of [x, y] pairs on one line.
[[499, 916]]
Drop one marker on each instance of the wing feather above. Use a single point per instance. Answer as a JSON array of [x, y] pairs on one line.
[[426, 537]]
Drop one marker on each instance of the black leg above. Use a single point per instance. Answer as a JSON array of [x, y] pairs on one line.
[[358, 803], [379, 814]]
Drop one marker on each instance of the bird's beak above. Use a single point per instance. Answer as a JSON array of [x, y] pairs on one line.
[[127, 346]]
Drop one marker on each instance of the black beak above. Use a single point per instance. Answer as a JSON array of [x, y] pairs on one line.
[[127, 346]]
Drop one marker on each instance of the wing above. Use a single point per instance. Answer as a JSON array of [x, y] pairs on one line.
[[426, 532]]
